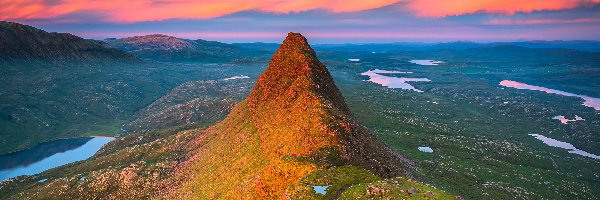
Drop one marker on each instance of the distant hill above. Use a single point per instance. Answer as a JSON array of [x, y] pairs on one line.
[[171, 49], [374, 47], [593, 46], [56, 85], [293, 132], [191, 104], [515, 52], [582, 45], [26, 44], [458, 45], [271, 47]]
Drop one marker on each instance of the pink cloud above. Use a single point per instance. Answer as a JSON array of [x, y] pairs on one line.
[[154, 10], [437, 8], [541, 21], [456, 33]]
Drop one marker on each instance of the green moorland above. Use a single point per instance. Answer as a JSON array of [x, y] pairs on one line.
[[478, 130], [40, 103]]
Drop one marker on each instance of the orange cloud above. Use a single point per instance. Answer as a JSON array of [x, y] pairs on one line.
[[443, 8], [153, 10]]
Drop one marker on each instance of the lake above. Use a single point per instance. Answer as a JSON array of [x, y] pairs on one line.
[[426, 62], [588, 101], [426, 149], [376, 76], [564, 145], [49, 155], [236, 77], [321, 189], [565, 120]]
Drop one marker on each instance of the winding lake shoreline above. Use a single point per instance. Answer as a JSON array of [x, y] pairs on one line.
[[588, 101]]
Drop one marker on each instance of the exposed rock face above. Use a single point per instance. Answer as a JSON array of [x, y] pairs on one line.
[[296, 103], [295, 67], [22, 43]]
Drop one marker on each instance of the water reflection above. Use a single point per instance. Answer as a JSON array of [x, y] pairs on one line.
[[426, 62], [588, 101], [236, 77], [49, 155], [393, 82], [565, 145], [565, 120], [28, 156], [321, 189]]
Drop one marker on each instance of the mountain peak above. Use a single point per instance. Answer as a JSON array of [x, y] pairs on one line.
[[296, 41], [295, 68], [297, 109]]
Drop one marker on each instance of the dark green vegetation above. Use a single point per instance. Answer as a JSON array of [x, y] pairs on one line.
[[348, 182], [192, 104]]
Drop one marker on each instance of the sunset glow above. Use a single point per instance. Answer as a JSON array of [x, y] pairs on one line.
[[435, 8]]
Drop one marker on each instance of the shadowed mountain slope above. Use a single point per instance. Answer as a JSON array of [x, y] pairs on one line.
[[22, 43]]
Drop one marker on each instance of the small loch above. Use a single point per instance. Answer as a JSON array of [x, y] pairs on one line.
[[236, 77], [377, 76], [565, 120], [49, 155], [426, 62], [564, 145], [321, 189], [426, 149], [587, 101]]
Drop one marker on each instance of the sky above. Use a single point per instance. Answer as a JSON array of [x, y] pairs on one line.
[[322, 21]]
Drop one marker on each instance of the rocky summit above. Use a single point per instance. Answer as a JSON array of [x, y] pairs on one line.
[[293, 133], [296, 104]]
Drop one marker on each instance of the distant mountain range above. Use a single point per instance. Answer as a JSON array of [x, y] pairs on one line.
[[171, 49], [582, 45], [22, 43]]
